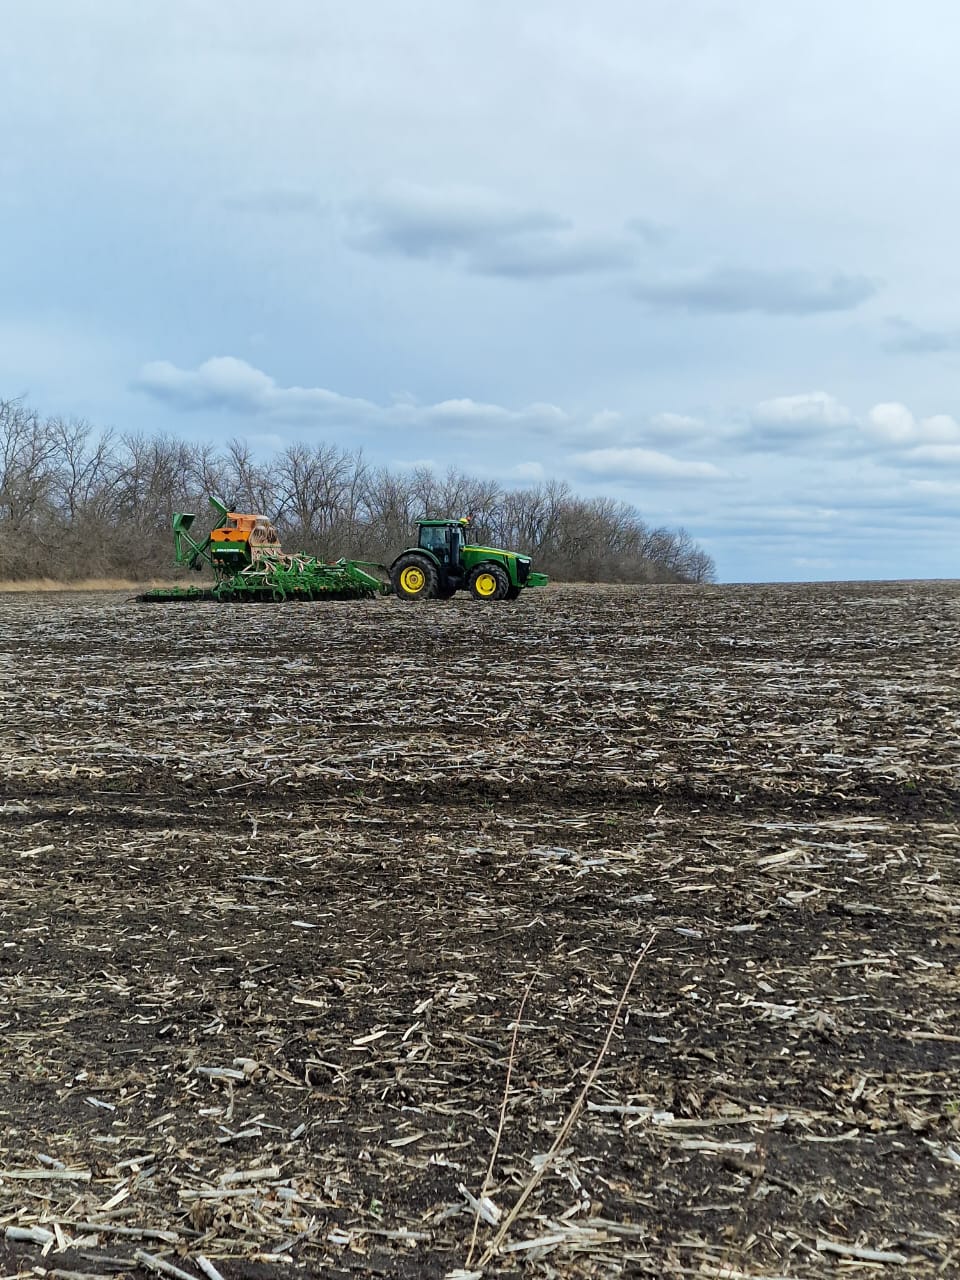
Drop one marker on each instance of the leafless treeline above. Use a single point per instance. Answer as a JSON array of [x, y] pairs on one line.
[[76, 502]]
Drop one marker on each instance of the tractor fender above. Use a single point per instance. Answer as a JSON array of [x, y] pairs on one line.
[[417, 551]]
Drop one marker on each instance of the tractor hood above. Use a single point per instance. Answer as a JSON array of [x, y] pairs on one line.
[[495, 551]]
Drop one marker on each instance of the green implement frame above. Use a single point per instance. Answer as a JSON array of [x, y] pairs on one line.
[[248, 570]]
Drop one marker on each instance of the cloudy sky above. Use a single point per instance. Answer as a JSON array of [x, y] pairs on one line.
[[697, 254]]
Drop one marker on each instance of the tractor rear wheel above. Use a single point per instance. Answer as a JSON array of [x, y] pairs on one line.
[[414, 578], [489, 582]]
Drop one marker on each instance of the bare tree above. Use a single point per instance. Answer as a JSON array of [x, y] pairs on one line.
[[75, 500], [248, 485], [28, 461], [81, 481], [207, 471]]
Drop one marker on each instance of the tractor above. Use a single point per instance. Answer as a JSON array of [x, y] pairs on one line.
[[443, 562]]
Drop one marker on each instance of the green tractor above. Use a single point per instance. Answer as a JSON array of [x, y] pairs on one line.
[[443, 562]]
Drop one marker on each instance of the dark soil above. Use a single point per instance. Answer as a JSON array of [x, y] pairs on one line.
[[274, 879]]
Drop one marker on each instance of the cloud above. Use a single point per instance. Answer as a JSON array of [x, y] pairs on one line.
[[948, 489], [609, 428], [887, 429], [528, 472], [940, 454], [738, 289], [419, 222], [643, 464], [224, 382], [894, 424], [469, 415], [483, 235], [227, 384], [604, 422], [675, 426], [651, 232], [913, 340], [676, 423], [559, 253], [801, 415]]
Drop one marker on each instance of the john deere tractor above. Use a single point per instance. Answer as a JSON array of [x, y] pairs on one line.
[[444, 562]]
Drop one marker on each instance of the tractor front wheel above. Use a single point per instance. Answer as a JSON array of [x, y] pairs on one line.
[[414, 578], [489, 582]]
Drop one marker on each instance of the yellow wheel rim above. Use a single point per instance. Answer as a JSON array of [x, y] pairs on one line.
[[412, 579], [486, 584]]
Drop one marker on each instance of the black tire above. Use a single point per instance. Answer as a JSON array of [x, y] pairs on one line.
[[414, 578], [513, 593], [489, 582]]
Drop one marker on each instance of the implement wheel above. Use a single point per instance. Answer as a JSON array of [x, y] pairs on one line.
[[414, 578], [489, 582]]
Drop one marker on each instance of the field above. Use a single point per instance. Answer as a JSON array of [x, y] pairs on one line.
[[288, 893]]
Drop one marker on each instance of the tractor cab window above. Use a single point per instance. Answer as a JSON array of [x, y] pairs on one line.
[[434, 538]]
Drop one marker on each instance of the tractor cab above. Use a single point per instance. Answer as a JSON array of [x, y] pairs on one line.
[[444, 538]]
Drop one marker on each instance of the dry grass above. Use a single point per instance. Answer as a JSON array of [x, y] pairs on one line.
[[28, 585]]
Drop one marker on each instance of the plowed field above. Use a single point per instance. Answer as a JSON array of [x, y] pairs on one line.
[[288, 892]]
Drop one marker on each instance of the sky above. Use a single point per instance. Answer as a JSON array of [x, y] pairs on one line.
[[698, 255]]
